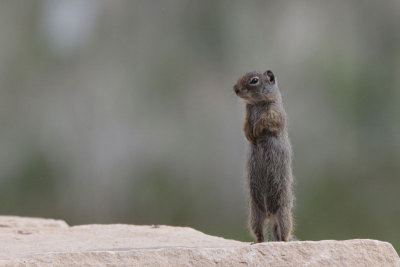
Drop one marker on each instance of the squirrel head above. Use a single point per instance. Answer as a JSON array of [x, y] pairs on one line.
[[256, 87]]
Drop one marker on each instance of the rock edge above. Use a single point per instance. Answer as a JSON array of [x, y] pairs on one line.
[[46, 242]]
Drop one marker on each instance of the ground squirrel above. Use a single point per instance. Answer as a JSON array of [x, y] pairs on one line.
[[269, 170]]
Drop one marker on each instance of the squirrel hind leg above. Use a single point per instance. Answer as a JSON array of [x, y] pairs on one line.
[[282, 227], [256, 223]]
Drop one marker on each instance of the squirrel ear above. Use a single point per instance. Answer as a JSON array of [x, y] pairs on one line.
[[270, 76]]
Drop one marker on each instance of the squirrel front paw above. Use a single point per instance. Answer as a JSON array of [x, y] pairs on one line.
[[248, 132], [251, 138], [258, 129], [253, 141], [265, 126]]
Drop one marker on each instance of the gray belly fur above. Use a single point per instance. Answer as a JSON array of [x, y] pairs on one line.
[[269, 172]]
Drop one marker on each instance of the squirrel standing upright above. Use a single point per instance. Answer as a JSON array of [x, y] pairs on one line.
[[269, 171]]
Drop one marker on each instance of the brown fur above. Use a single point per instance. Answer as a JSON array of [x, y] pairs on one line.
[[269, 170]]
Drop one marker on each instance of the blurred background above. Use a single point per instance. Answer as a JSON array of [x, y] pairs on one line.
[[123, 111]]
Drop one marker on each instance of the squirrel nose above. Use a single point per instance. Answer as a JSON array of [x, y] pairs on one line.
[[236, 90]]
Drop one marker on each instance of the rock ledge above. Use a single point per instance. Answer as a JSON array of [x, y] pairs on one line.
[[45, 242]]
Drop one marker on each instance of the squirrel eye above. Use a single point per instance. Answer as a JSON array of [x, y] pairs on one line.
[[254, 80]]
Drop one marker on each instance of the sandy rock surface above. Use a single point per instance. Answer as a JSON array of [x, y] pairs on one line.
[[45, 242]]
